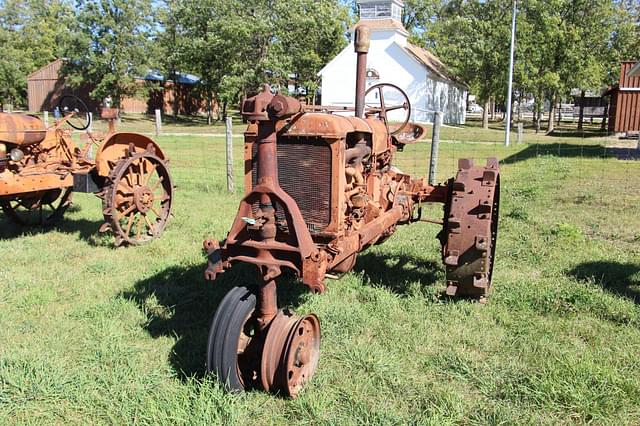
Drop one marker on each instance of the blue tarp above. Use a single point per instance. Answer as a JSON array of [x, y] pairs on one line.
[[181, 78]]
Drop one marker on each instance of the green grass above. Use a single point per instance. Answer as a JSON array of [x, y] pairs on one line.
[[93, 334]]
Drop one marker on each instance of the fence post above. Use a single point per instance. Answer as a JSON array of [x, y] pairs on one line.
[[435, 141], [520, 132], [46, 119], [229, 135], [158, 122]]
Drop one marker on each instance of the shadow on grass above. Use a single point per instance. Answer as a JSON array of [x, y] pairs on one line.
[[575, 133], [622, 279], [179, 303], [397, 272], [566, 150], [86, 230]]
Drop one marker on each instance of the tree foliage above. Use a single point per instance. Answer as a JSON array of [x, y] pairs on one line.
[[235, 45], [32, 34], [560, 44], [110, 46]]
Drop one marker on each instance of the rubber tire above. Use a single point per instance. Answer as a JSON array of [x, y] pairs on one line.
[[226, 326]]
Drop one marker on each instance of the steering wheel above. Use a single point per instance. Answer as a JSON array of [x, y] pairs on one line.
[[383, 109], [75, 111]]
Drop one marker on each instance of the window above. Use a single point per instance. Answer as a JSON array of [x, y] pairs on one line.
[[383, 11], [372, 74], [367, 11], [396, 12], [379, 10]]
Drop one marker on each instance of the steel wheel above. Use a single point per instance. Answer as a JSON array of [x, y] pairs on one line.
[[137, 201], [233, 348], [471, 229], [290, 354], [42, 208]]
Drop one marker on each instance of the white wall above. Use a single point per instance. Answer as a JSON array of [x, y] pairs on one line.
[[395, 66]]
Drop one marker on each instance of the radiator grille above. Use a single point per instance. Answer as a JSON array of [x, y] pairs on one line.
[[304, 172]]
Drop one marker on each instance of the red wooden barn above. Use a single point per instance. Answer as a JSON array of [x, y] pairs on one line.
[[46, 85], [624, 109]]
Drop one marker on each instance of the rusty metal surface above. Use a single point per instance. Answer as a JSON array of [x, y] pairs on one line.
[[137, 198], [319, 189], [37, 163], [361, 44], [291, 353], [21, 129], [470, 229]]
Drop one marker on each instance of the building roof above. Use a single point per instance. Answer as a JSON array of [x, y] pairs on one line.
[[432, 62], [634, 71], [47, 72], [178, 77], [381, 25]]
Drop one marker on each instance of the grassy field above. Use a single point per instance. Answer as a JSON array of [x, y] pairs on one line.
[[94, 334]]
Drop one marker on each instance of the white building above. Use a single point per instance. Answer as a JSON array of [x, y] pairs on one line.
[[392, 59]]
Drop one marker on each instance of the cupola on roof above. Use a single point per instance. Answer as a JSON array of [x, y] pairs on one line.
[[381, 9]]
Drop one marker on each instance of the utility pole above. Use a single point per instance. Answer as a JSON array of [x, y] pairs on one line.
[[507, 132]]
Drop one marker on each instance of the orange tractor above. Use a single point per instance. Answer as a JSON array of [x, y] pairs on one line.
[[41, 167], [321, 187]]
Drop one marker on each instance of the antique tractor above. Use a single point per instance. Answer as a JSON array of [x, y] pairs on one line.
[[41, 167], [320, 187]]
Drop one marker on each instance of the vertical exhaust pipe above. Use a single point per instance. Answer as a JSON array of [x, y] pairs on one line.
[[361, 44]]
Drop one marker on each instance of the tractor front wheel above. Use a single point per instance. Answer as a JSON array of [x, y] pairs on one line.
[[233, 348]]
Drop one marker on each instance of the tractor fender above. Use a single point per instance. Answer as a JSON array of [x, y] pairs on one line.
[[116, 146]]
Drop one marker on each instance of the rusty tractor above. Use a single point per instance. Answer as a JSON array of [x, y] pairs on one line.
[[320, 187], [41, 167]]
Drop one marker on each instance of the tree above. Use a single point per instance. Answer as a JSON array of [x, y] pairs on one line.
[[111, 47], [236, 45], [624, 42], [214, 41], [312, 33], [165, 46], [472, 39], [571, 35], [32, 34]]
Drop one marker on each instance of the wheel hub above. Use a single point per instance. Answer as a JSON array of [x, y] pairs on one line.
[[143, 198], [291, 352]]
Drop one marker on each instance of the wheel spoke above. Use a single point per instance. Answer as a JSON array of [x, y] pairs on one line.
[[157, 184], [395, 107], [129, 224], [146, 219], [150, 174], [125, 212], [153, 209], [139, 229]]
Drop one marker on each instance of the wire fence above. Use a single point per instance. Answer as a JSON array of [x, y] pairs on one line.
[[589, 172]]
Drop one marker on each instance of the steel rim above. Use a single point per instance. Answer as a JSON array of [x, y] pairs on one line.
[[303, 353], [140, 199], [248, 345]]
